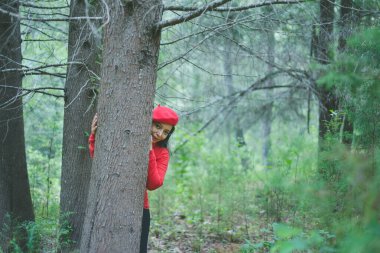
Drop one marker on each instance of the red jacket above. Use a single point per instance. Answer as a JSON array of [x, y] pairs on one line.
[[158, 164]]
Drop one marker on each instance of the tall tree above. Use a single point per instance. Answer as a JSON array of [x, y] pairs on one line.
[[268, 108], [115, 201], [15, 198], [228, 63], [328, 101], [346, 22], [233, 127], [80, 94]]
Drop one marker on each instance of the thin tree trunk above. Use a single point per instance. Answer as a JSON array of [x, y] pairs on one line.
[[328, 100], [346, 23], [115, 201], [268, 109], [83, 48], [229, 82], [15, 198], [325, 38]]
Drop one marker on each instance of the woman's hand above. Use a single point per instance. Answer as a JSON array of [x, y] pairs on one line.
[[94, 124]]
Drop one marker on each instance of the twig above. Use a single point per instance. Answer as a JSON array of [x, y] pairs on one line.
[[193, 14], [240, 8], [235, 97], [42, 7], [47, 19], [40, 90]]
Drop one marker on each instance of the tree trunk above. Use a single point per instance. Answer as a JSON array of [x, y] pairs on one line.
[[345, 22], [229, 82], [15, 198], [328, 100], [325, 38], [80, 98], [268, 108], [129, 69]]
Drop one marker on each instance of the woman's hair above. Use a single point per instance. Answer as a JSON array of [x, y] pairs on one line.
[[165, 143]]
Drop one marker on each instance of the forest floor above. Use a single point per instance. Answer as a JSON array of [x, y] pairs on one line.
[[180, 236]]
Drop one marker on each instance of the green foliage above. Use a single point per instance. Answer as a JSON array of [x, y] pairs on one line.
[[248, 247], [292, 239], [355, 74], [351, 173], [43, 235], [334, 212], [43, 114]]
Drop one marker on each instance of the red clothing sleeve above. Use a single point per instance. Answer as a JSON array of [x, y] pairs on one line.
[[91, 145], [157, 168]]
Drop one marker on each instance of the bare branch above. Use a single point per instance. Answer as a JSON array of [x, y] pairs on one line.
[[42, 7], [43, 40], [234, 98], [38, 30], [240, 8], [212, 73], [33, 69], [41, 90], [29, 71], [29, 14], [47, 19], [60, 75], [187, 52], [196, 13]]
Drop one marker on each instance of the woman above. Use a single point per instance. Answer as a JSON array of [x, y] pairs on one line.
[[164, 120]]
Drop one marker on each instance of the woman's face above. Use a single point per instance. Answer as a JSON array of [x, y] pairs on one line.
[[160, 131]]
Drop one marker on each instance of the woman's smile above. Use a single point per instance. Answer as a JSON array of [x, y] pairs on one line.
[[160, 131]]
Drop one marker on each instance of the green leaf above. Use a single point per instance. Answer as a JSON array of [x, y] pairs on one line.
[[283, 231]]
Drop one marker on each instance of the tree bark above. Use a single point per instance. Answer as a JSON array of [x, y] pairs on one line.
[[229, 82], [15, 198], [345, 23], [268, 108], [129, 69], [80, 98], [325, 38], [328, 101]]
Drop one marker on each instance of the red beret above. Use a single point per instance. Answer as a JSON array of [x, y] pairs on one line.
[[164, 114]]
